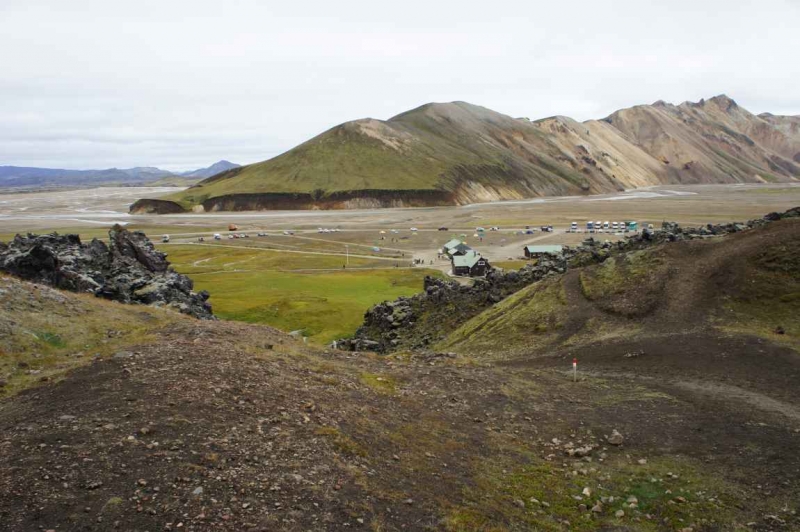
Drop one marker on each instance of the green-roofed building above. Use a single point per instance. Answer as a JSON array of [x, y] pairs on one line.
[[533, 252], [470, 264], [455, 247]]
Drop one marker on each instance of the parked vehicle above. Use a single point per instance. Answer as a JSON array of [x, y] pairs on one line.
[[217, 236], [165, 238], [443, 228]]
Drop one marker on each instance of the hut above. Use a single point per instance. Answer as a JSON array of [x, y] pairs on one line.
[[455, 248], [470, 264]]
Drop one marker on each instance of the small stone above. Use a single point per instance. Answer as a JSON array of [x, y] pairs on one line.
[[519, 502], [597, 508], [142, 482], [198, 490], [616, 438], [409, 501], [642, 461], [619, 513], [587, 491]]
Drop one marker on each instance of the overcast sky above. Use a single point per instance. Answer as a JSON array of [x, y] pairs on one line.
[[180, 84]]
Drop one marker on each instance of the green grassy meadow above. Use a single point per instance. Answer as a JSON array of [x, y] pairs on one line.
[[294, 291]]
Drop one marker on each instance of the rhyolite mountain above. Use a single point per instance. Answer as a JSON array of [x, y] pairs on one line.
[[459, 153], [21, 176]]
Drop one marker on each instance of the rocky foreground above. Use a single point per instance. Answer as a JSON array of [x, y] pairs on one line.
[[128, 269], [685, 417]]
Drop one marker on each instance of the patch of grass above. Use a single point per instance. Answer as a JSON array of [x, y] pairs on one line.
[[542, 496], [618, 274], [521, 321], [380, 383], [512, 264], [342, 441], [111, 505], [769, 298], [221, 258], [51, 339], [30, 350], [247, 285]]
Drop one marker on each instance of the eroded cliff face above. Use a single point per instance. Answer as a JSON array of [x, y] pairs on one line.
[[156, 206]]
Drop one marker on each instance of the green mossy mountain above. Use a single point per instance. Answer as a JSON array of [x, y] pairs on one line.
[[459, 153]]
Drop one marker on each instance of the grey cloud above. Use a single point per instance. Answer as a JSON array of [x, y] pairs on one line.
[[92, 83]]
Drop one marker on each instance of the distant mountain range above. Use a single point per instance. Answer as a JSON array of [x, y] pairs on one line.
[[458, 153], [18, 176]]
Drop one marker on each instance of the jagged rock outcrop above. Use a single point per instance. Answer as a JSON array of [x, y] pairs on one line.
[[129, 269], [418, 321]]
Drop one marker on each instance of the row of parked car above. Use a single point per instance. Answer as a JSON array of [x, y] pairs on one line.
[[605, 227], [231, 236]]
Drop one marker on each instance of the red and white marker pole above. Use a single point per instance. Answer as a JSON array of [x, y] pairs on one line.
[[574, 370]]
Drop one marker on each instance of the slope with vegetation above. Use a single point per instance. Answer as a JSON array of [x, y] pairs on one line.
[[458, 153], [117, 417]]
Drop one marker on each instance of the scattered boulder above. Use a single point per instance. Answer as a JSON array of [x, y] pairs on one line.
[[129, 269], [616, 438]]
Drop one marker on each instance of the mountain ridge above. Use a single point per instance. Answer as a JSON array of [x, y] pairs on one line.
[[459, 153], [25, 176]]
